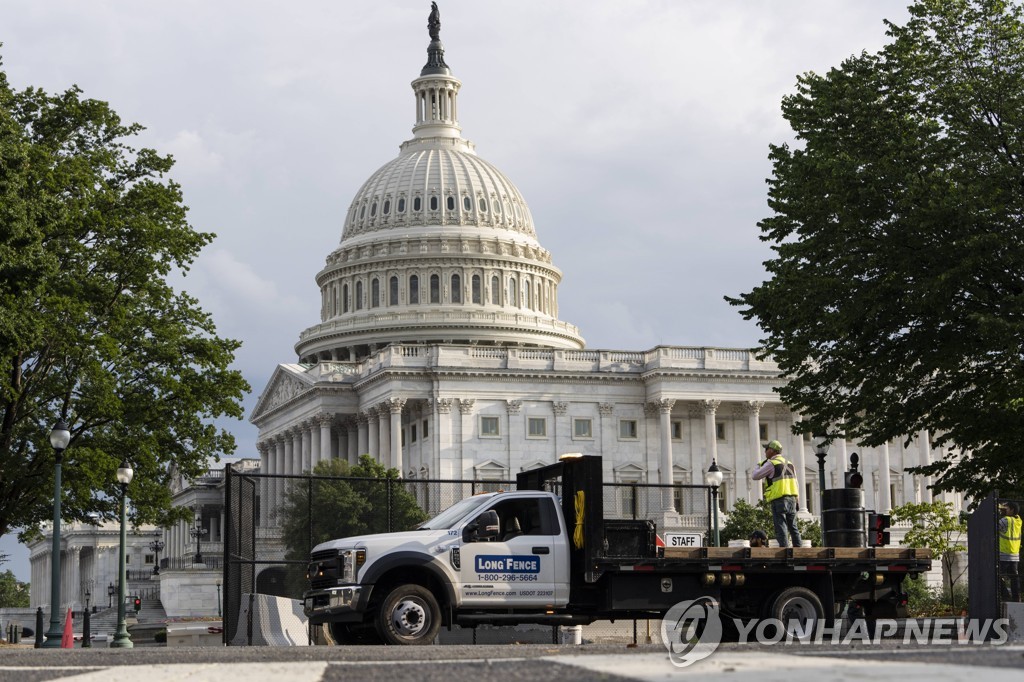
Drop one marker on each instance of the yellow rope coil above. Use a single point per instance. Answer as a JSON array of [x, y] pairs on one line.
[[577, 534]]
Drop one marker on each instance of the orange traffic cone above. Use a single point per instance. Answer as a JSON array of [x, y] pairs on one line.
[[67, 640]]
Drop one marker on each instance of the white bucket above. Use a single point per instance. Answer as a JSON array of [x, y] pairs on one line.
[[572, 635]]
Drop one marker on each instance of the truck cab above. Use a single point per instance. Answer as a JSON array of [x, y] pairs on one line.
[[505, 550]]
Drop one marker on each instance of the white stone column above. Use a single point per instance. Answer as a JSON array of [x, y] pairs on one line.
[[562, 428], [280, 457], [665, 462], [885, 496], [327, 444], [362, 435], [753, 409], [515, 431], [841, 460], [384, 434], [395, 406], [443, 439], [352, 438], [264, 449], [607, 426], [801, 468], [315, 443], [466, 425], [924, 441], [373, 433], [710, 434], [306, 429]]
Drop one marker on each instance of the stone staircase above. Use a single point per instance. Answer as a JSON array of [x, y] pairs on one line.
[[104, 622]]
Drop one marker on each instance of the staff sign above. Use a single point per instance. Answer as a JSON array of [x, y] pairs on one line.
[[683, 540]]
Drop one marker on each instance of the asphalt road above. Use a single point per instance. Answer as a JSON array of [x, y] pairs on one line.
[[512, 663]]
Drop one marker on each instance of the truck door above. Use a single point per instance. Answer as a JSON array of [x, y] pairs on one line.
[[519, 569]]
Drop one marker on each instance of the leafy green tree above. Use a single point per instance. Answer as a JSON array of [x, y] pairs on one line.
[[90, 330], [745, 518], [895, 302], [935, 527], [13, 593], [343, 501]]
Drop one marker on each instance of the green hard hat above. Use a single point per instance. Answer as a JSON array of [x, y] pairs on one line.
[[774, 445]]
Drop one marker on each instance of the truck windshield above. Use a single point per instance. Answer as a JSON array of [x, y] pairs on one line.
[[453, 514]]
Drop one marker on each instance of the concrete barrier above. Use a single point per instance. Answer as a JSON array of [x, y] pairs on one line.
[[194, 634], [264, 620]]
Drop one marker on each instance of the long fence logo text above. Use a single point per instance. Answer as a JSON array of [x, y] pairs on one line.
[[507, 564]]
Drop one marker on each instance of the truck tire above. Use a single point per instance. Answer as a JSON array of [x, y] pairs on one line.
[[797, 604], [409, 615]]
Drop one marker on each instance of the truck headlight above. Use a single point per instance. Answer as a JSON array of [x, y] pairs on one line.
[[352, 560]]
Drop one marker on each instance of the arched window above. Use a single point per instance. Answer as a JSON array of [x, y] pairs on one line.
[[387, 206], [495, 290], [482, 203], [375, 293], [359, 295], [373, 209], [467, 203], [401, 204], [512, 292], [362, 212], [414, 289], [417, 204], [456, 289], [476, 289], [344, 299], [433, 203], [435, 289], [450, 202], [527, 298], [393, 291]]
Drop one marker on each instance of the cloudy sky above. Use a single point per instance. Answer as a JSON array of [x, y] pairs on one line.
[[638, 132]]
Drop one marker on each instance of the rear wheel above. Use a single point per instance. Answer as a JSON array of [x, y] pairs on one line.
[[409, 615], [798, 609]]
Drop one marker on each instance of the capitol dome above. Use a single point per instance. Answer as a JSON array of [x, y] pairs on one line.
[[438, 246]]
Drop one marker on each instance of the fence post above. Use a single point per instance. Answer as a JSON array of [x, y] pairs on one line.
[[226, 555], [391, 509]]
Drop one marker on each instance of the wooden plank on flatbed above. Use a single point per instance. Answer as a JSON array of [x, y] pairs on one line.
[[797, 553]]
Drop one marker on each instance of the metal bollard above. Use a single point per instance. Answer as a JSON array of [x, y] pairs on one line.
[[86, 635], [39, 627]]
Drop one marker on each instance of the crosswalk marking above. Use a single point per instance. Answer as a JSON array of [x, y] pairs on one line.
[[192, 672], [749, 666]]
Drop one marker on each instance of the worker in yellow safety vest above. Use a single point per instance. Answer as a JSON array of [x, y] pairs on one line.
[[782, 492], [1009, 549]]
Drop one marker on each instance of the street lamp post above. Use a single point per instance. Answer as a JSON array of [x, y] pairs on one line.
[[218, 600], [198, 533], [110, 593], [121, 638], [820, 451], [713, 478], [157, 546], [86, 633], [59, 439]]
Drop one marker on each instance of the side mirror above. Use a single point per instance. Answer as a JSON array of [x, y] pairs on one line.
[[483, 528]]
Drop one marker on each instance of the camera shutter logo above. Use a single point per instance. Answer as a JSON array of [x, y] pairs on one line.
[[691, 631]]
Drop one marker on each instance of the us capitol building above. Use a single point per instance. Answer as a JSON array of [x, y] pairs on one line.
[[440, 351]]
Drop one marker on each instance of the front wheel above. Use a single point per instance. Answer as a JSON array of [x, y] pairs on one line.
[[341, 633], [409, 615]]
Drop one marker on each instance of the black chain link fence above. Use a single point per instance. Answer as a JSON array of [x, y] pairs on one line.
[[266, 552]]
